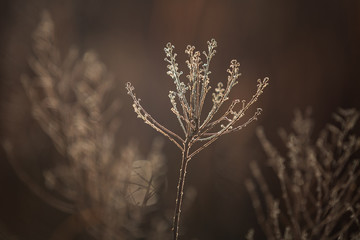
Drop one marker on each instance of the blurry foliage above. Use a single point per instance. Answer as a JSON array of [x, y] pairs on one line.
[[108, 191], [318, 180]]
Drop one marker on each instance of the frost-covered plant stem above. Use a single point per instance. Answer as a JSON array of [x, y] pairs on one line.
[[187, 105], [180, 189]]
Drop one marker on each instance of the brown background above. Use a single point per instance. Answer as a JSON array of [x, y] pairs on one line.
[[309, 49]]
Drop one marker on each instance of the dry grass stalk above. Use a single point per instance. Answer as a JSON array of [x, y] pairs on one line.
[[319, 182], [187, 105]]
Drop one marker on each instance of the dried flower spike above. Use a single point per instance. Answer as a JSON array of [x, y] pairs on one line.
[[187, 105], [318, 180], [103, 189]]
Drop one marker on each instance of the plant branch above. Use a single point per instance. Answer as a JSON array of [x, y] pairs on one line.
[[180, 189]]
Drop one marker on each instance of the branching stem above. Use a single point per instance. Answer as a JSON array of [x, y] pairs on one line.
[[191, 98]]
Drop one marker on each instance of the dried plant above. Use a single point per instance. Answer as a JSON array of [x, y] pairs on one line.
[[70, 101], [318, 180], [195, 127]]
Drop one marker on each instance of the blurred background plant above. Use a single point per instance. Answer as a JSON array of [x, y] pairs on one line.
[[316, 194], [109, 192]]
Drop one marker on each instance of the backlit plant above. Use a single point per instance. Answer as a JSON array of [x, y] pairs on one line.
[[187, 105]]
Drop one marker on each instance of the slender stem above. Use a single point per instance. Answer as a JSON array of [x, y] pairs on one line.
[[180, 189]]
